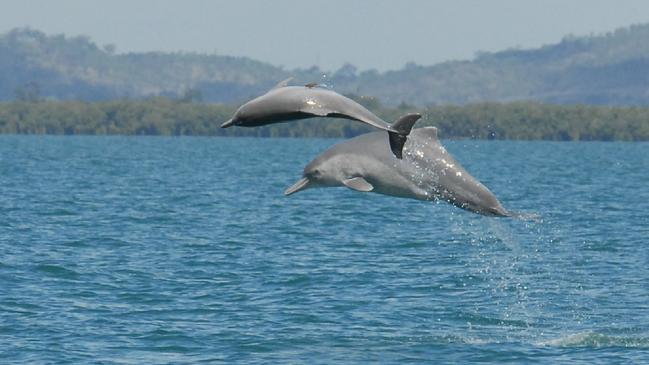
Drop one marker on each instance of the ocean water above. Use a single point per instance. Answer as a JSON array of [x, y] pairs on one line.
[[152, 250]]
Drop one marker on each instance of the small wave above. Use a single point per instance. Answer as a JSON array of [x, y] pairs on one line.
[[58, 271], [467, 340], [60, 212], [110, 241], [480, 320], [595, 339], [77, 243]]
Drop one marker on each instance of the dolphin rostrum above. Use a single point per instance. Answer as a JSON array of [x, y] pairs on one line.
[[285, 103], [426, 172]]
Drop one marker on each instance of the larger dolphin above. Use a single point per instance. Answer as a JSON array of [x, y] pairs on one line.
[[285, 103], [426, 172]]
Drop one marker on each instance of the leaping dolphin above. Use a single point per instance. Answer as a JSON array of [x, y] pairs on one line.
[[426, 172], [285, 103]]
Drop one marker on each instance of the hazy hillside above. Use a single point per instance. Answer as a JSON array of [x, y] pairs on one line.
[[607, 69], [603, 69], [76, 68]]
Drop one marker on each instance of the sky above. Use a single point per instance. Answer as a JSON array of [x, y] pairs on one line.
[[370, 34]]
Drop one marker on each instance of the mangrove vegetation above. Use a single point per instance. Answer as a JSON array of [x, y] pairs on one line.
[[177, 117]]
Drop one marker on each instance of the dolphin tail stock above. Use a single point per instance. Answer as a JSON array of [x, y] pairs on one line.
[[523, 216], [400, 131], [526, 216]]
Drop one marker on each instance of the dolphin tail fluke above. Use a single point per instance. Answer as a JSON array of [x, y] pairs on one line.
[[396, 144], [401, 129]]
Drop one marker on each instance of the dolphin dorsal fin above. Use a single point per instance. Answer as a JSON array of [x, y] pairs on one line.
[[283, 83], [430, 132], [359, 184]]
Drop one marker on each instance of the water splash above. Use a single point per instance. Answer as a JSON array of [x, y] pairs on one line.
[[597, 340]]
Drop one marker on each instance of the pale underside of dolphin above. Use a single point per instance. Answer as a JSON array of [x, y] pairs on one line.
[[287, 103], [426, 172]]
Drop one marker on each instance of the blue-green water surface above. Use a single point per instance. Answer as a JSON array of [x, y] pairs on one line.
[[151, 250]]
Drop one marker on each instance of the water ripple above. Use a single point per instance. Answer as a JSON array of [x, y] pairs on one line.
[[184, 250]]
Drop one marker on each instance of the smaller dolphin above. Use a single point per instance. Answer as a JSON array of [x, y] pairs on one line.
[[426, 172], [285, 103]]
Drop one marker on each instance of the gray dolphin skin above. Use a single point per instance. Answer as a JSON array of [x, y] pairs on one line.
[[286, 103], [426, 172]]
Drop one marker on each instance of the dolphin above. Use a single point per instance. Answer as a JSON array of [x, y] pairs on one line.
[[426, 172], [285, 103]]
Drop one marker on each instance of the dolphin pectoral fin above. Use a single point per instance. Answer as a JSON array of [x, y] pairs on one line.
[[283, 83], [320, 112], [312, 107], [358, 184], [401, 129], [301, 184]]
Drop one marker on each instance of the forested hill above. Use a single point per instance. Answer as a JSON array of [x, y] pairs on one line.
[[608, 69], [60, 67], [604, 69]]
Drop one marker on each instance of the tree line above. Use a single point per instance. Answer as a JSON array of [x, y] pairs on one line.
[[172, 117]]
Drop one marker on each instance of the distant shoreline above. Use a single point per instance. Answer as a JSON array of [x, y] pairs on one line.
[[163, 116], [453, 139]]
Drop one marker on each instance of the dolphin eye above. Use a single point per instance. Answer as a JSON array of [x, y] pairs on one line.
[[316, 173]]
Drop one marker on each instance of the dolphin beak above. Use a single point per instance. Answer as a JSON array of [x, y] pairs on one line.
[[228, 123], [301, 184]]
